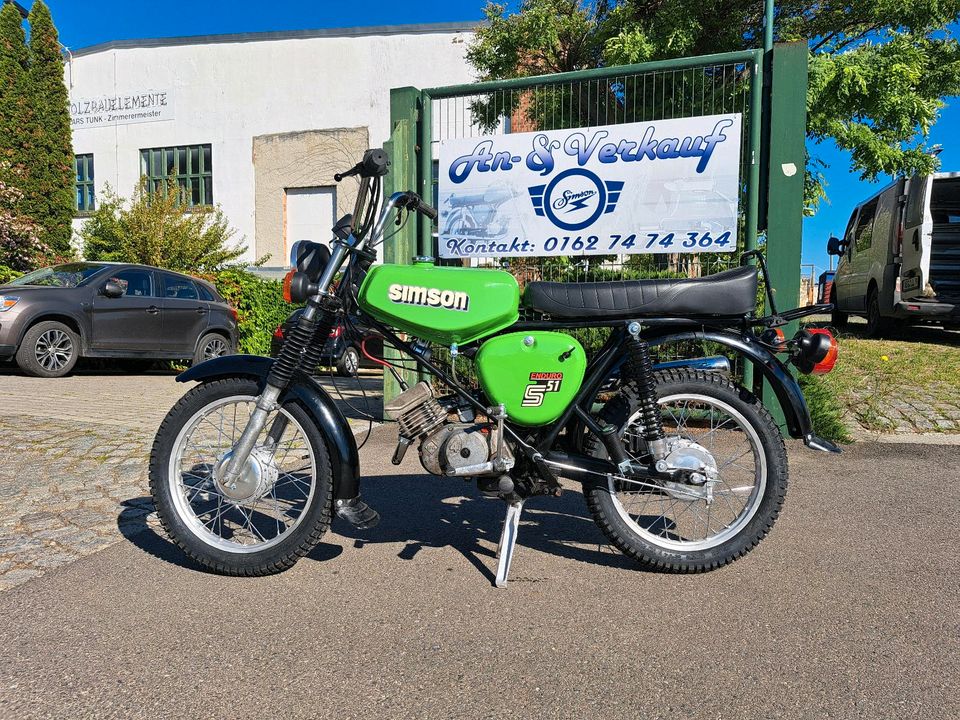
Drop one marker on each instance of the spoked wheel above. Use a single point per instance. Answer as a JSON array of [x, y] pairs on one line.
[[262, 522], [731, 476]]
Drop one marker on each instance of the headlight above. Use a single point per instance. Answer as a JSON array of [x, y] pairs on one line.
[[7, 302]]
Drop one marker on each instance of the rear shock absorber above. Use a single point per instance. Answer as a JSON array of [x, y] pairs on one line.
[[639, 367]]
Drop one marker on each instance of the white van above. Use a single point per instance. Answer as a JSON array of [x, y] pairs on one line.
[[900, 256]]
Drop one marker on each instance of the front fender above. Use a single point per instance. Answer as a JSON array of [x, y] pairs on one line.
[[784, 385], [341, 444]]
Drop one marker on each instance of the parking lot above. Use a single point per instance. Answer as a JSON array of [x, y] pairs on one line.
[[848, 609]]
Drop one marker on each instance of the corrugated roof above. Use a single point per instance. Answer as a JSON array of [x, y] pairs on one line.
[[420, 29]]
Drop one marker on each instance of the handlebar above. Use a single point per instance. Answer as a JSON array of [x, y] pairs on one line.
[[398, 200], [375, 163], [412, 201]]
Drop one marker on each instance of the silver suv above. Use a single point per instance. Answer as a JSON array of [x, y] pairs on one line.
[[53, 316]]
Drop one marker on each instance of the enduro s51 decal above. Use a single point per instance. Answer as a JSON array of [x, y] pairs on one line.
[[540, 384]]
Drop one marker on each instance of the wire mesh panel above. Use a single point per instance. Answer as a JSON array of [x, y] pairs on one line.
[[687, 88]]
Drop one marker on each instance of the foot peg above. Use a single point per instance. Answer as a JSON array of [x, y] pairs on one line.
[[508, 540], [356, 512]]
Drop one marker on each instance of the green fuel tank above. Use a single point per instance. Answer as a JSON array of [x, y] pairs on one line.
[[443, 305]]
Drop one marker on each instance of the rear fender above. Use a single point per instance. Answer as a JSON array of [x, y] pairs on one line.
[[341, 444], [784, 385]]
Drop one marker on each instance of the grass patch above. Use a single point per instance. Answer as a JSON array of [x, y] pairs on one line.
[[878, 382], [826, 410]]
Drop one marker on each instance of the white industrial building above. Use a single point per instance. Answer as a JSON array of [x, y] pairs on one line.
[[257, 123]]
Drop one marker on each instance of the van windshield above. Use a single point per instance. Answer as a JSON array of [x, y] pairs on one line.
[[70, 275]]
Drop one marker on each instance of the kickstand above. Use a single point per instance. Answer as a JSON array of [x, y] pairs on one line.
[[508, 540]]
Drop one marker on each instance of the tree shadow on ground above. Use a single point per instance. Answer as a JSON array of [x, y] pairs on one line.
[[422, 511]]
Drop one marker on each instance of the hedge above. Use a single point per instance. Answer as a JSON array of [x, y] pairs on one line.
[[259, 304]]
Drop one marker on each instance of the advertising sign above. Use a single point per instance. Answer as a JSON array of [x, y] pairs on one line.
[[123, 109], [669, 186]]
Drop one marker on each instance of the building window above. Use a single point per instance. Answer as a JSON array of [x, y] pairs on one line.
[[190, 166], [84, 199]]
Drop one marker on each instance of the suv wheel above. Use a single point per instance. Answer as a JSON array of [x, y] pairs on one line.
[[211, 345], [349, 362], [49, 349]]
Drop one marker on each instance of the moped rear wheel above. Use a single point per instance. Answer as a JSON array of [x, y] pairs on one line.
[[262, 522], [709, 518]]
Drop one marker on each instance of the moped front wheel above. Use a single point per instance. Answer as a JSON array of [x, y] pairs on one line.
[[262, 521]]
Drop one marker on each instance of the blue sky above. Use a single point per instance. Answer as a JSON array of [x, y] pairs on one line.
[[95, 21]]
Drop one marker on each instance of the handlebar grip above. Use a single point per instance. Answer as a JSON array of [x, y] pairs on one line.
[[428, 210]]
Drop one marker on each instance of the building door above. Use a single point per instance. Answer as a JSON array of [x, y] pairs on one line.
[[309, 214]]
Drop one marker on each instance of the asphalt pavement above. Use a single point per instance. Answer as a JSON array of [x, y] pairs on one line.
[[847, 610]]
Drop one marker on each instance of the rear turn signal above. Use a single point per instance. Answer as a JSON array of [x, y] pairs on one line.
[[830, 359], [287, 279], [815, 351]]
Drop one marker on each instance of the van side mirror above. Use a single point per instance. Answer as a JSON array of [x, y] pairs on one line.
[[836, 246], [112, 289]]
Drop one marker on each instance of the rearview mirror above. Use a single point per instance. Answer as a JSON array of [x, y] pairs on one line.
[[835, 246], [112, 289]]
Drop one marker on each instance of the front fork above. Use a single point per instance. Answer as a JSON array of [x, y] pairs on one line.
[[300, 350]]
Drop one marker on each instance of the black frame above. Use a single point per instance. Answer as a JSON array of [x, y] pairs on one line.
[[611, 356]]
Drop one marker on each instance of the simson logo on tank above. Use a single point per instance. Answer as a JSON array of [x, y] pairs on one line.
[[669, 186], [429, 297]]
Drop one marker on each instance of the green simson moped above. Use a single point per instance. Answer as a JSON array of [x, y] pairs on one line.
[[682, 469]]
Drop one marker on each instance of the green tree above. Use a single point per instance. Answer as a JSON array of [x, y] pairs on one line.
[[15, 111], [49, 184], [878, 70], [153, 229]]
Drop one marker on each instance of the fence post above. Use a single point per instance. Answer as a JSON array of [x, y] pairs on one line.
[[402, 247], [785, 173]]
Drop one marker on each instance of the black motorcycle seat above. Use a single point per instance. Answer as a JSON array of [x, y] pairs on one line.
[[733, 292]]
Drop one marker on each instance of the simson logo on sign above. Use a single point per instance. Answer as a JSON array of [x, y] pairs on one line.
[[429, 297]]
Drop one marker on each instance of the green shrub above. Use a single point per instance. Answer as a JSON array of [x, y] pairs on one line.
[[826, 410], [8, 274], [155, 229], [259, 304]]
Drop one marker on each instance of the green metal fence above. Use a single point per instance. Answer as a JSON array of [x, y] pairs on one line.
[[683, 88], [743, 82]]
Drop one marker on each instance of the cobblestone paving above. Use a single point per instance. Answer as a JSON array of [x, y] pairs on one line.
[[73, 463], [62, 487]]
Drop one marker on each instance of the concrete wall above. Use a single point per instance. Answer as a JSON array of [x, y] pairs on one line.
[[296, 160], [228, 93]]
